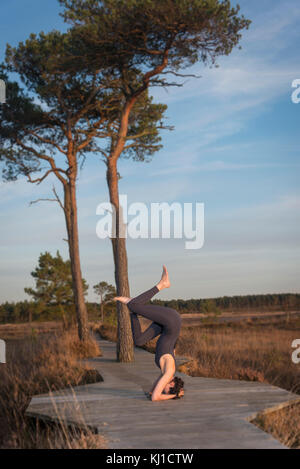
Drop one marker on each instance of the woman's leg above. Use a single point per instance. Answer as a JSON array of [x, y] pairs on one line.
[[160, 314], [139, 337], [164, 319], [163, 283], [144, 297]]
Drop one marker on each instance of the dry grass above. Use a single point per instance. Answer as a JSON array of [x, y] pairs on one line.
[[59, 436], [19, 331], [283, 424], [106, 331], [37, 365]]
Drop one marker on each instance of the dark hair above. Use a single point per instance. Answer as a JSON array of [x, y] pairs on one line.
[[178, 385]]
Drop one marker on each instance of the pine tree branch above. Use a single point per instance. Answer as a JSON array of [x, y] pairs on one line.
[[41, 200]]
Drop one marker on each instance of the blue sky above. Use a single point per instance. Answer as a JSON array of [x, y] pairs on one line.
[[235, 148]]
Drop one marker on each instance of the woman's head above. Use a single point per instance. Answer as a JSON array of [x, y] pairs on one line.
[[175, 385]]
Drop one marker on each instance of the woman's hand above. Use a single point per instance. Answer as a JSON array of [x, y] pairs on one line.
[[181, 393]]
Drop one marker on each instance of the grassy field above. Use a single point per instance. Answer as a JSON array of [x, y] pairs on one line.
[[254, 351], [21, 331], [37, 363]]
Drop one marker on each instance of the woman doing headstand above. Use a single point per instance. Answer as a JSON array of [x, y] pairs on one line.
[[167, 324]]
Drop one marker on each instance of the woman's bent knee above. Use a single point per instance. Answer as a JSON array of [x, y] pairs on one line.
[[176, 316], [138, 343]]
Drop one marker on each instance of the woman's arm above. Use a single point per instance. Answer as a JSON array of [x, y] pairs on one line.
[[171, 396], [155, 383], [164, 397], [157, 394]]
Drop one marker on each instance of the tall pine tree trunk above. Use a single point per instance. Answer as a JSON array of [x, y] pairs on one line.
[[125, 342], [102, 312], [70, 209]]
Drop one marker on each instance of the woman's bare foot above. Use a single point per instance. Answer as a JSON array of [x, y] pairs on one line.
[[122, 299], [164, 281]]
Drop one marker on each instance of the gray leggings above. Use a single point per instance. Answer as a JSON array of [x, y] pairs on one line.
[[166, 323]]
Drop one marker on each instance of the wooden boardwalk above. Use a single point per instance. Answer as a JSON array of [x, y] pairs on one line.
[[214, 413]]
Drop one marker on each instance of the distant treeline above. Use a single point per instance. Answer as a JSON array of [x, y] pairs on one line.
[[267, 302], [25, 311]]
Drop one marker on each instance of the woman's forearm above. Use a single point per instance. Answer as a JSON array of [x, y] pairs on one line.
[[164, 397]]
